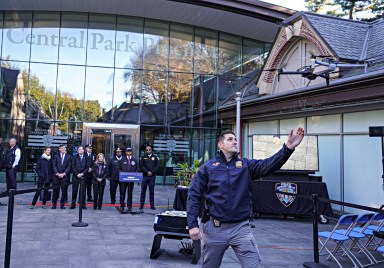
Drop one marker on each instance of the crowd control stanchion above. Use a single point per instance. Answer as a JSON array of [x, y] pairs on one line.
[[82, 201], [316, 262], [8, 243]]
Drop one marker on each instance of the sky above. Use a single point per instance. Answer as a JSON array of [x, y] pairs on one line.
[[298, 5]]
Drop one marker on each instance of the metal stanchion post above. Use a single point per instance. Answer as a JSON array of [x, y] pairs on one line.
[[316, 263], [8, 243], [82, 201]]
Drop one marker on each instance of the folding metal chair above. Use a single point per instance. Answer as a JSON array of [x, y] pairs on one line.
[[325, 239], [372, 243], [356, 236]]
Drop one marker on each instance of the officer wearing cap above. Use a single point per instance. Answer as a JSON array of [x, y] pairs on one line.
[[89, 177], [149, 165], [129, 164], [114, 167]]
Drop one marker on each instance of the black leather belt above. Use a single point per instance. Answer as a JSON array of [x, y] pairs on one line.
[[217, 223]]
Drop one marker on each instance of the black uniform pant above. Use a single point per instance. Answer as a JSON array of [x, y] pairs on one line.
[[98, 194], [45, 194], [10, 174], [112, 189], [63, 183], [150, 183], [124, 186], [88, 183], [76, 184]]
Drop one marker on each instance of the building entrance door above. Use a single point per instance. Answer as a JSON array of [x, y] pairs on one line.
[[105, 138]]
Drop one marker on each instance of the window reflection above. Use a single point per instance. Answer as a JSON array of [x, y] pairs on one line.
[[126, 98], [204, 90], [179, 106], [42, 91], [12, 90], [153, 97], [205, 51], [129, 42], [181, 48], [98, 93], [229, 55], [253, 57], [101, 40], [17, 36], [70, 93], [156, 45], [73, 34], [45, 41]]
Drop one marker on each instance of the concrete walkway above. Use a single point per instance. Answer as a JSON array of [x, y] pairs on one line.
[[46, 238]]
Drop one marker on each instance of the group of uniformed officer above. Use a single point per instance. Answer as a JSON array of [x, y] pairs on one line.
[[148, 164], [81, 166]]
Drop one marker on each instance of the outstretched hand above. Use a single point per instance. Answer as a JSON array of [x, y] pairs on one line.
[[294, 139]]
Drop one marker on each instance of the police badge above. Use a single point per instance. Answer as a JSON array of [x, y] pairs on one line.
[[239, 164], [47, 140], [152, 158], [287, 187]]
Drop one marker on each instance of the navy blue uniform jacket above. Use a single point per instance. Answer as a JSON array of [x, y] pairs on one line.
[[226, 186]]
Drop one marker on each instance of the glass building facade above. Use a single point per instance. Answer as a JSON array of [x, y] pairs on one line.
[[60, 69]]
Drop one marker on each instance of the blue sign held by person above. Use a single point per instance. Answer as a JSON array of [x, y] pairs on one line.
[[130, 176]]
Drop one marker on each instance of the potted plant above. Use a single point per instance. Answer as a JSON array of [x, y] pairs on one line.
[[186, 174]]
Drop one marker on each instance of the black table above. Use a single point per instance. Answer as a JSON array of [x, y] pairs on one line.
[[180, 202], [266, 200]]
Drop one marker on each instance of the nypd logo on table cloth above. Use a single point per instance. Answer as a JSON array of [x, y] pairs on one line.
[[286, 187]]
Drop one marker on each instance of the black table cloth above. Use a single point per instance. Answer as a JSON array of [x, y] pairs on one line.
[[266, 200]]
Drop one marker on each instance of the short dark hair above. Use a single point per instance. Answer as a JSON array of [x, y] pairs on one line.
[[225, 132], [62, 145], [46, 147]]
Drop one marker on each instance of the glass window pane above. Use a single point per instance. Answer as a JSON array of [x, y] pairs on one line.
[[129, 42], [98, 93], [287, 125], [153, 97], [179, 103], [204, 89], [101, 40], [17, 36], [70, 93], [228, 86], [42, 91], [205, 51], [361, 121], [253, 57], [73, 37], [229, 55], [181, 52], [13, 80], [323, 124], [126, 96], [45, 37], [156, 45]]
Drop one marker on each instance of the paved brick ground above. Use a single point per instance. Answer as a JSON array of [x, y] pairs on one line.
[[46, 238]]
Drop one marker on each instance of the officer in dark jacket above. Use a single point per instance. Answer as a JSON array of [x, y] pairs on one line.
[[114, 167], [224, 184], [149, 165], [44, 170], [11, 163], [89, 177], [80, 165], [62, 166], [129, 164]]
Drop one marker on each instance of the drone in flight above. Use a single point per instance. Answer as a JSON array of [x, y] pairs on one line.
[[308, 71]]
